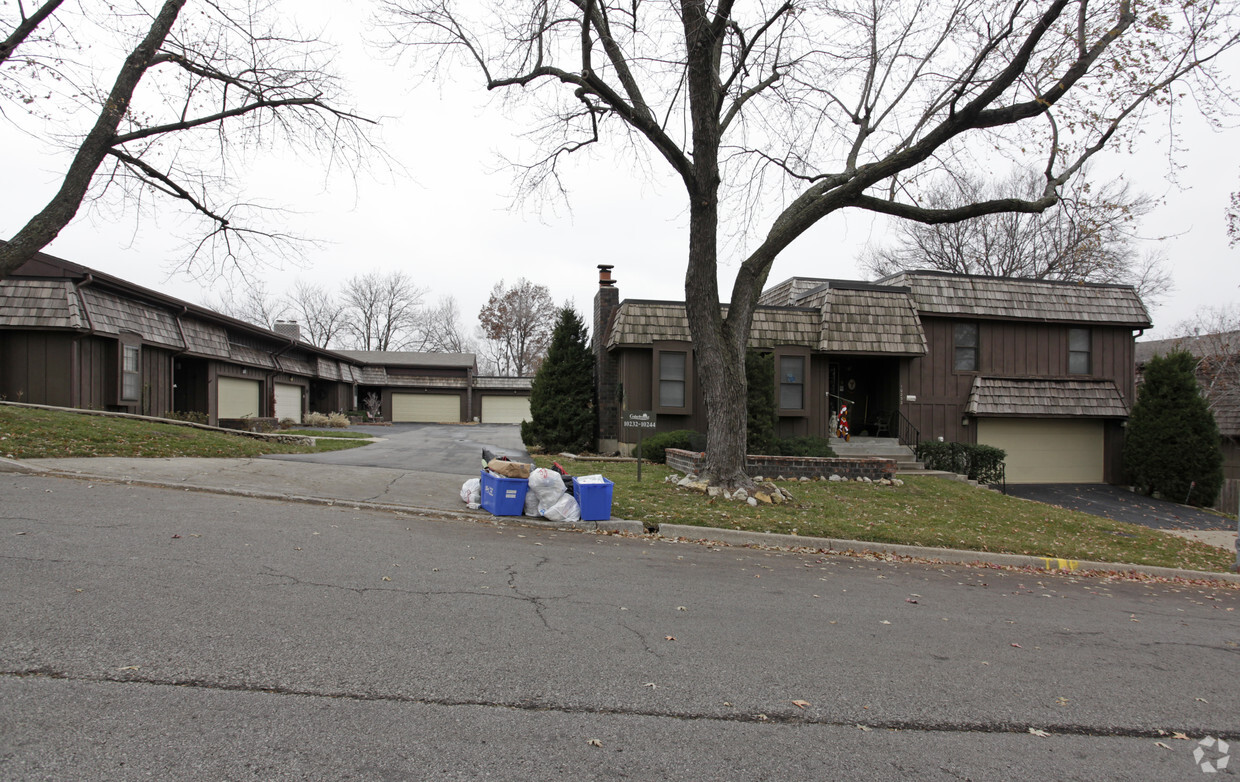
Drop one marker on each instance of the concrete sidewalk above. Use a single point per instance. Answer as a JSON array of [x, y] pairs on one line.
[[438, 494]]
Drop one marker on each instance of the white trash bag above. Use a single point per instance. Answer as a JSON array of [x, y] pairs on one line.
[[471, 493], [563, 509], [547, 485], [531, 504]]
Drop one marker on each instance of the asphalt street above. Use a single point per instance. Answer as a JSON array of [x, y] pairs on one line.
[[154, 633], [454, 450]]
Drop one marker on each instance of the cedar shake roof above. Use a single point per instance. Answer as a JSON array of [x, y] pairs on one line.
[[52, 293], [399, 358], [1002, 396], [643, 322], [503, 383], [864, 319], [957, 295], [869, 321], [40, 304], [112, 314]]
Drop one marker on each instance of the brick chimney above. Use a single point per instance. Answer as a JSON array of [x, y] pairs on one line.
[[606, 366], [288, 328]]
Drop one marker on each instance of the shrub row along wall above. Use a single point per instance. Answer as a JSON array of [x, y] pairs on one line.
[[690, 462]]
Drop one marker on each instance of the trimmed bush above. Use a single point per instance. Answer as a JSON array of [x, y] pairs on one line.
[[337, 420], [801, 446], [1171, 444], [981, 463], [652, 447], [316, 420]]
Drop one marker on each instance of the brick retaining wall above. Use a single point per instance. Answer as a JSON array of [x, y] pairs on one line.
[[768, 467]]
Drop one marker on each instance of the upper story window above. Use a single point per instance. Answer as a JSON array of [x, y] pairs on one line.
[[965, 341], [792, 382], [673, 373], [1079, 344], [131, 368]]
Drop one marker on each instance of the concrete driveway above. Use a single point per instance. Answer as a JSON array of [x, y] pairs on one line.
[[1119, 504], [439, 448]]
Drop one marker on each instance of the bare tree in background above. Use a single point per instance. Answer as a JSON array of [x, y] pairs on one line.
[[252, 303], [1213, 337], [516, 328], [381, 310], [320, 316], [1088, 236], [440, 330], [775, 115], [196, 95]]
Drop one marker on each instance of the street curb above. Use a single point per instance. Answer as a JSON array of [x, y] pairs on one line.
[[611, 525], [682, 531], [745, 538]]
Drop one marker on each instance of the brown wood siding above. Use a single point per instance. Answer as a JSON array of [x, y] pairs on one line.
[[96, 372], [156, 381], [35, 367], [941, 392], [1005, 349], [1230, 495], [636, 376]]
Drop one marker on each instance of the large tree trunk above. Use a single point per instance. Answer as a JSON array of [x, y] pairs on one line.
[[719, 353], [719, 343]]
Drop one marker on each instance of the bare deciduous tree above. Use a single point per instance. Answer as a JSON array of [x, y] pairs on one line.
[[1213, 337], [1087, 237], [516, 328], [439, 328], [382, 310], [320, 315], [252, 303], [817, 107], [197, 93]]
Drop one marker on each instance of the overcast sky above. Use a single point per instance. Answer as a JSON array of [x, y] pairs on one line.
[[445, 214]]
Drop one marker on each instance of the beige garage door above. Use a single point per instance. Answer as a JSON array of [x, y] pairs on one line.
[[237, 398], [288, 401], [505, 409], [426, 408], [1046, 450]]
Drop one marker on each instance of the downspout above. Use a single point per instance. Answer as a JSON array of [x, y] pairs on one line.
[[75, 374]]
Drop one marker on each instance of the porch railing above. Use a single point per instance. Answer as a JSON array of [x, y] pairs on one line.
[[905, 431]]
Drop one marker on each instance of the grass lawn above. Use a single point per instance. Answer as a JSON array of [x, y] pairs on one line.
[[925, 511], [28, 433]]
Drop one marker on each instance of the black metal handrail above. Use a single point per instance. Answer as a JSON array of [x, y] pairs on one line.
[[905, 431]]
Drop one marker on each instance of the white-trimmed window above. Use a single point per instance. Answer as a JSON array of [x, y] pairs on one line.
[[1079, 349], [131, 372]]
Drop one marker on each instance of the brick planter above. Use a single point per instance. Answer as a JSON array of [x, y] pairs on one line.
[[690, 462]]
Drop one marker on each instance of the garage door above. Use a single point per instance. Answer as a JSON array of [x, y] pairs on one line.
[[1046, 450], [237, 398], [426, 408], [505, 409], [288, 402]]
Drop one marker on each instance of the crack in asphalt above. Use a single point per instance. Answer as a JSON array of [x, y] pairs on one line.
[[535, 601], [539, 603], [387, 488], [925, 726]]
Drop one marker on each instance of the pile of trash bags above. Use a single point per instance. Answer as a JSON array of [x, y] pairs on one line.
[[549, 495]]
